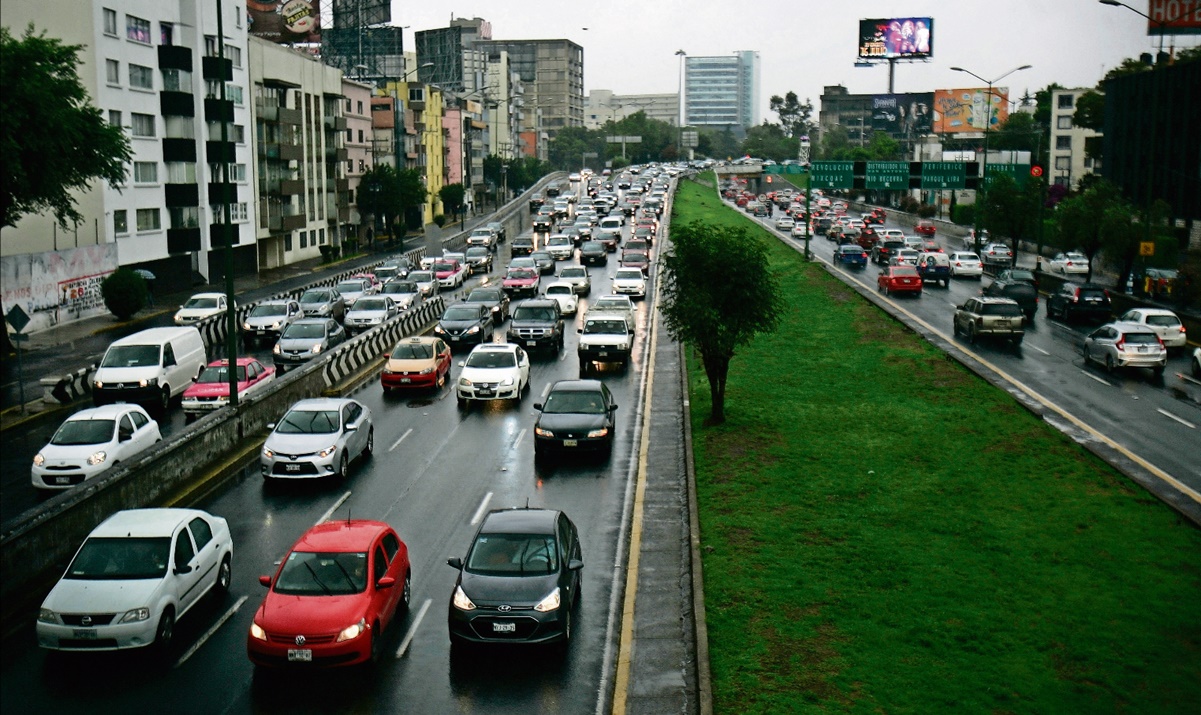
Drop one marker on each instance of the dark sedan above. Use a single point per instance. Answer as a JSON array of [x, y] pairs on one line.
[[850, 254], [576, 417], [465, 324], [495, 298], [545, 261], [519, 581], [593, 253]]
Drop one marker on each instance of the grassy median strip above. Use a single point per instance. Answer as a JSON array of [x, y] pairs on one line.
[[882, 531]]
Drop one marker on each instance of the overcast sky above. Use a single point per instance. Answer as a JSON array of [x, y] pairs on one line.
[[804, 45]]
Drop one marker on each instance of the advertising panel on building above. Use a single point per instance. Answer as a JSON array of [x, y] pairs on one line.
[[905, 115], [285, 21], [895, 37], [969, 110], [1174, 17]]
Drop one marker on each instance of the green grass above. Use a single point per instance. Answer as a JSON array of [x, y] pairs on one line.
[[884, 532]]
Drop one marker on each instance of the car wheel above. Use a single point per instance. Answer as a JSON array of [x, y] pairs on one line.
[[461, 402], [583, 368], [165, 633], [344, 468], [1017, 341], [224, 576], [367, 448], [1109, 366], [1159, 369], [164, 400], [971, 333], [566, 642], [955, 327], [1196, 368], [377, 643], [406, 595]]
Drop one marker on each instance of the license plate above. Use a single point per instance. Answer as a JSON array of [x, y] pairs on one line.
[[571, 443], [299, 655], [603, 354], [531, 343], [454, 338], [86, 634], [62, 480], [291, 467], [504, 627], [406, 379], [261, 332]]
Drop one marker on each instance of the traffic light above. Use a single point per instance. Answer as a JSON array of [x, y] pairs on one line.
[[1036, 170]]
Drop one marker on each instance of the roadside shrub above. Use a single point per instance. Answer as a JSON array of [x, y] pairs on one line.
[[440, 219], [908, 204], [926, 211], [124, 293], [964, 215]]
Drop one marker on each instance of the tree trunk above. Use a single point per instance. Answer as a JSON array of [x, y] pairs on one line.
[[716, 369]]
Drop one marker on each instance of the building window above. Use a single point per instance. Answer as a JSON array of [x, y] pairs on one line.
[[114, 117], [234, 92], [350, 166], [1088, 162], [234, 55], [360, 136], [362, 166], [1065, 101], [181, 172], [237, 172], [145, 172], [112, 71], [1064, 122], [1061, 181], [349, 136], [166, 33], [1063, 143], [110, 22], [322, 237], [210, 46], [287, 242], [180, 127], [143, 125], [1063, 162], [141, 77], [177, 80], [237, 212], [359, 106], [120, 222], [137, 29], [148, 220], [304, 239], [182, 216]]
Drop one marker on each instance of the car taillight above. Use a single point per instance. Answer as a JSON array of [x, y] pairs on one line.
[[1076, 295], [1121, 343], [1181, 329]]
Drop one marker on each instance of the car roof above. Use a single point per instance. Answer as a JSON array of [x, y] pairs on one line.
[[208, 295], [1154, 311], [105, 412], [418, 340], [222, 362], [311, 321], [993, 299], [495, 348], [145, 522], [276, 301], [537, 303], [577, 386], [344, 535], [313, 404], [520, 521]]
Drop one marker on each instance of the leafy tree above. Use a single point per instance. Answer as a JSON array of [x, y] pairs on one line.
[[1042, 105], [1096, 218], [768, 141], [570, 144], [717, 304], [412, 194], [52, 140], [124, 292], [835, 143], [796, 118], [1090, 111], [388, 195], [718, 143], [452, 196], [1011, 211], [883, 147]]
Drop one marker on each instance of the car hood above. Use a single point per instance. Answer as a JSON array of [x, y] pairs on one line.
[[490, 374], [457, 325], [416, 365], [509, 590], [299, 443], [211, 389], [368, 314], [197, 312], [310, 615], [74, 452], [629, 282], [89, 596], [265, 321], [572, 424], [299, 343], [520, 281]]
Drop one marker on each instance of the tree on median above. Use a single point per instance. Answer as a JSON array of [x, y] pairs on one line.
[[717, 295], [52, 140]]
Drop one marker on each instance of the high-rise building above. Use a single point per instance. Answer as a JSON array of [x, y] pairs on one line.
[[552, 72], [722, 91], [602, 106], [1069, 161]]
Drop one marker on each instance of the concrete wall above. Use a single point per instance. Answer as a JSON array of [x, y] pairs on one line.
[[56, 286]]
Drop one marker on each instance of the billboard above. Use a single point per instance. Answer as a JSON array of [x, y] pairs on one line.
[[970, 110], [1173, 17], [896, 37], [903, 115], [284, 21]]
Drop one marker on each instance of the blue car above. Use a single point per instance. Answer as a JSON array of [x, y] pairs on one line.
[[851, 254]]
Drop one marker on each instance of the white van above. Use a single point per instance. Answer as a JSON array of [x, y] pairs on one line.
[[150, 367], [610, 225]]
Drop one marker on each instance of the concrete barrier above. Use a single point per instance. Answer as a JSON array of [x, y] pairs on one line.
[[65, 389]]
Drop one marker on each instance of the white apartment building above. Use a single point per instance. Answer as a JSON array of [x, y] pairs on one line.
[[358, 150], [1067, 156]]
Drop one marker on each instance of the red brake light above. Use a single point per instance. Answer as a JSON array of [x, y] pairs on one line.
[[1121, 343]]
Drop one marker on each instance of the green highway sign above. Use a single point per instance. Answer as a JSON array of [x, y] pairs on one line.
[[943, 174], [832, 174], [1018, 172], [886, 175]]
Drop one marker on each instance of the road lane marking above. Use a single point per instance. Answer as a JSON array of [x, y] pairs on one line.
[[1094, 377], [479, 513], [400, 439], [329, 512], [1182, 421], [520, 436], [545, 391], [209, 633], [1044, 352], [404, 644]]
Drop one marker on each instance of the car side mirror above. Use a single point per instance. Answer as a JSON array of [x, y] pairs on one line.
[[575, 565], [265, 580], [350, 428], [612, 408], [455, 561], [580, 331], [385, 582], [180, 570]]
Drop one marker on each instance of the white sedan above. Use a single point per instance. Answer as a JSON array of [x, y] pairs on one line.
[[201, 306], [785, 223], [1070, 263], [966, 264], [135, 575], [800, 230], [563, 293], [630, 281], [91, 441], [493, 371]]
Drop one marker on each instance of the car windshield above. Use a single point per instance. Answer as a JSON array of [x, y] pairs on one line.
[[560, 402], [559, 290], [308, 422], [609, 304], [444, 267], [461, 312], [370, 304], [384, 273], [413, 351], [421, 276], [513, 555], [308, 573], [904, 271], [304, 331], [634, 257], [491, 359], [200, 303], [628, 274], [74, 432], [637, 246], [126, 558], [1008, 310], [400, 287], [966, 257], [604, 326], [130, 356], [477, 252], [521, 273], [559, 241], [535, 313], [541, 256], [315, 296], [350, 287], [1021, 276], [573, 273], [268, 311], [221, 374], [593, 246]]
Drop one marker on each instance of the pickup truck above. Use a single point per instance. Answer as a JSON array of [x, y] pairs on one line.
[[604, 338]]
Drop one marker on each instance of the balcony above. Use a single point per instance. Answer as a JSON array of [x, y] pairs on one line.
[[216, 193], [266, 112], [217, 234], [176, 104], [215, 68], [291, 187], [294, 222], [179, 150], [291, 152], [183, 240], [216, 110], [339, 186], [336, 153], [217, 152], [181, 195], [290, 116], [174, 57], [335, 123]]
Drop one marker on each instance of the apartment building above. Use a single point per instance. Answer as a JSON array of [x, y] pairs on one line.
[[1068, 159], [358, 143]]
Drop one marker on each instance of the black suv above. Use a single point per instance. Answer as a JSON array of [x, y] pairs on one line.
[[537, 323], [1079, 300], [521, 246], [1007, 285], [886, 249]]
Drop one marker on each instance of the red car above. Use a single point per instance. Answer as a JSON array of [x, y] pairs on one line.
[[925, 228], [636, 259], [211, 390], [419, 363], [521, 281], [337, 590], [899, 279]]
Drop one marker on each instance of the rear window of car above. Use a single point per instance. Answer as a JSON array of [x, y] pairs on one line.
[[1163, 320], [1001, 309], [1140, 338], [1092, 293]]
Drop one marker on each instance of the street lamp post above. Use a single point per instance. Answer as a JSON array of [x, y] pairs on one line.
[[981, 189], [680, 101]]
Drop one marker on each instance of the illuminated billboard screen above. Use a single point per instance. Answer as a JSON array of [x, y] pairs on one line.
[[285, 21], [896, 37], [970, 110], [903, 115]]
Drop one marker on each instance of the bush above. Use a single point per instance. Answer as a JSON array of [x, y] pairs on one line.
[[328, 253], [440, 219], [124, 293], [908, 204], [964, 215], [926, 211]]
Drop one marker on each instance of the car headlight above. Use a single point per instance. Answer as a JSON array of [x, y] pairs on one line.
[[543, 432], [474, 329], [275, 350], [245, 326], [45, 615], [268, 453], [506, 382], [623, 346], [602, 432], [148, 382], [275, 325], [256, 631], [323, 309], [327, 451], [351, 632], [38, 459], [439, 330], [97, 458], [98, 385], [315, 349], [137, 614], [464, 382], [549, 603], [426, 371], [461, 601]]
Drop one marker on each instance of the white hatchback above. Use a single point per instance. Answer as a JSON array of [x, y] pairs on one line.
[[91, 441], [563, 293], [135, 575], [629, 281], [201, 306], [966, 264], [1164, 323]]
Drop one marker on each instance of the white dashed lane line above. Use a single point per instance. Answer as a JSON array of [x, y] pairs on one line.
[[1091, 376], [209, 633], [479, 513], [329, 512], [400, 439], [1182, 421], [404, 644]]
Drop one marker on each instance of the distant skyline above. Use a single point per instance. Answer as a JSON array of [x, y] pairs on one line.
[[630, 47]]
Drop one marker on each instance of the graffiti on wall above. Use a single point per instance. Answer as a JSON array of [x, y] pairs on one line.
[[57, 286]]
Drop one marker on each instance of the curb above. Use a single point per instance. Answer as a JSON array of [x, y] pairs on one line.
[[704, 676]]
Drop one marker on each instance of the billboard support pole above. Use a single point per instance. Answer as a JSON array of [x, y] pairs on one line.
[[892, 73]]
